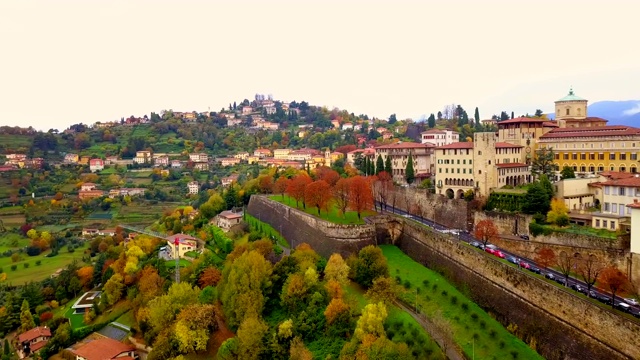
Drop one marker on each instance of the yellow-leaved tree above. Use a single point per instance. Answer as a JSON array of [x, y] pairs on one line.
[[558, 214]]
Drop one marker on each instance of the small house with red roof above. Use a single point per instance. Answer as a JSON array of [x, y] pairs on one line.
[[180, 244], [104, 349], [33, 340], [228, 219], [96, 165]]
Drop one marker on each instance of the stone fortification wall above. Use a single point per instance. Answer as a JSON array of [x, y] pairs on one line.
[[564, 326], [505, 222], [299, 227], [452, 213]]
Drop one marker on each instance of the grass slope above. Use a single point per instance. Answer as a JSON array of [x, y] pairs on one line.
[[474, 330], [350, 217], [36, 273]]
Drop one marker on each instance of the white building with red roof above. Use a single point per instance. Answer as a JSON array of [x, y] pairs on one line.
[[422, 155], [96, 165], [439, 137], [33, 340], [185, 242]]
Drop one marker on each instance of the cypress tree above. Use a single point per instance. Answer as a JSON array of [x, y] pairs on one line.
[[387, 163], [7, 349], [26, 318], [365, 166], [476, 116], [379, 165], [431, 121], [409, 172], [372, 167]]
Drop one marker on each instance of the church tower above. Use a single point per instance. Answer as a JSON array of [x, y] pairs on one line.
[[570, 107]]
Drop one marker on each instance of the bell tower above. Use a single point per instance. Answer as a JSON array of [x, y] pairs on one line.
[[570, 107]]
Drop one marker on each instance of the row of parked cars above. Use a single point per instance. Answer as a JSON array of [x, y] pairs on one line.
[[624, 306]]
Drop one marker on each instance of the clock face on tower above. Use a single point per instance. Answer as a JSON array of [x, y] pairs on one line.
[[527, 149]]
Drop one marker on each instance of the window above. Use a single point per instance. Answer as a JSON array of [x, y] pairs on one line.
[[614, 191], [614, 208], [604, 224], [479, 152], [583, 156], [634, 156], [458, 170], [612, 156], [621, 191], [464, 161], [597, 223], [479, 171], [565, 156], [470, 162], [557, 156], [601, 156], [623, 156], [606, 190], [567, 111], [574, 156], [440, 170], [607, 207], [458, 161], [613, 225]]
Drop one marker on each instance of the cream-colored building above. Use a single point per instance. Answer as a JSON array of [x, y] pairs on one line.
[[482, 166], [241, 155], [439, 137], [227, 161], [525, 132], [576, 193], [635, 226], [186, 243], [422, 155], [616, 195], [193, 187], [281, 153], [143, 157], [571, 112]]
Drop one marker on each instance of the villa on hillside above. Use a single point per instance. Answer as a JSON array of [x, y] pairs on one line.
[[85, 302], [32, 341]]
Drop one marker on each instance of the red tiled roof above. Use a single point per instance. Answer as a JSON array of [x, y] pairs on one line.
[[511, 165], [615, 175], [37, 346], [549, 124], [406, 145], [102, 349], [230, 215], [628, 182], [34, 333], [520, 120], [598, 131], [587, 119], [635, 204], [502, 145], [458, 145], [437, 131]]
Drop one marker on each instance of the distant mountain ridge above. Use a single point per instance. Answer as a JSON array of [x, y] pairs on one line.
[[626, 112]]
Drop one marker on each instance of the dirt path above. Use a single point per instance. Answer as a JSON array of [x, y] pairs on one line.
[[450, 348]]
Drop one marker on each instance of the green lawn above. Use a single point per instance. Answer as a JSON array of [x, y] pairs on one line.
[[266, 229], [127, 319], [76, 320], [7, 239], [172, 263], [11, 210], [400, 327], [34, 272], [473, 329], [350, 217], [15, 142]]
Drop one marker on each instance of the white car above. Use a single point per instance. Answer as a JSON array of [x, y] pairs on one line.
[[631, 301]]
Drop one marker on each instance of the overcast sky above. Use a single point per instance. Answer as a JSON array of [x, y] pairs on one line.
[[64, 62]]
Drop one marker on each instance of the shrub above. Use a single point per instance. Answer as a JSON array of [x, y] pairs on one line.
[[398, 279], [454, 300], [38, 262], [434, 287], [418, 289], [475, 336], [483, 324], [1, 270], [425, 282], [514, 354], [407, 284], [14, 267], [474, 316], [444, 293], [501, 344], [26, 265], [492, 333], [465, 307]]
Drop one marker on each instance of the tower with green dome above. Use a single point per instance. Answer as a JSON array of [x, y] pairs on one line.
[[571, 111]]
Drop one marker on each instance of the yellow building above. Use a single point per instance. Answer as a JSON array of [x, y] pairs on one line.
[[571, 111], [281, 153], [524, 132], [186, 243]]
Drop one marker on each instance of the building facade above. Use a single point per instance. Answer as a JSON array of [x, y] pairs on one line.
[[439, 137], [422, 155]]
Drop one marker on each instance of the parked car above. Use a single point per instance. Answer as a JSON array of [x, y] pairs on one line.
[[550, 276], [525, 265], [512, 259], [635, 312], [498, 253], [490, 250], [534, 269], [524, 237], [579, 288], [606, 299], [631, 301], [592, 294], [476, 244], [624, 307]]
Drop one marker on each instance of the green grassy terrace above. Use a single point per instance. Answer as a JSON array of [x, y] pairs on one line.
[[475, 331], [334, 216]]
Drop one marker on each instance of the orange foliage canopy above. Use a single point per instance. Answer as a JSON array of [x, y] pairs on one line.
[[486, 231], [318, 194], [361, 197]]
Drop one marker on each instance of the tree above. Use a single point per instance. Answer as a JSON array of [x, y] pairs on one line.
[[431, 121], [162, 310], [545, 257], [371, 322], [360, 198], [558, 213], [337, 269], [567, 173], [379, 164], [387, 165], [369, 265], [150, 284], [341, 194], [280, 186], [614, 280], [265, 183], [486, 231], [296, 187], [589, 269], [476, 116], [542, 163], [85, 274], [327, 174], [537, 200], [210, 276], [382, 290], [566, 263], [192, 327], [409, 174], [392, 119], [298, 351], [26, 319], [250, 335], [113, 289], [318, 194]]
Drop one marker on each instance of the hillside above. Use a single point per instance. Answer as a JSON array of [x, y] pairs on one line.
[[617, 112]]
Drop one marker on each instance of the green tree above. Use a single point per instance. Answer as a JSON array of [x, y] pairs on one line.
[[567, 173], [229, 349], [113, 289], [379, 165], [336, 269], [392, 119], [162, 310], [7, 349], [431, 121], [193, 326], [537, 200], [369, 265], [476, 117], [387, 165], [371, 322], [542, 163], [26, 318], [409, 174], [250, 334]]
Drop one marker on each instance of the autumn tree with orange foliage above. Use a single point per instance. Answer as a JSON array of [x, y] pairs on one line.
[[280, 186], [614, 280], [209, 277], [150, 284], [327, 174], [344, 149], [486, 231], [296, 187], [341, 192], [85, 275], [265, 183], [318, 194], [361, 197], [545, 257]]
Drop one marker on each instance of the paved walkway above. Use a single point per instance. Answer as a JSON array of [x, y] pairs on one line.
[[453, 352]]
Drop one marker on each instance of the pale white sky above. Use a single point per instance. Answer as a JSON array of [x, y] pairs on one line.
[[64, 62]]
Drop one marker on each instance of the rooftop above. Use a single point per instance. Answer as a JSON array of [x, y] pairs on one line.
[[571, 97], [592, 132], [102, 349], [230, 214], [34, 333], [511, 165], [458, 145], [520, 120], [86, 300], [406, 145], [635, 204], [627, 182]]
